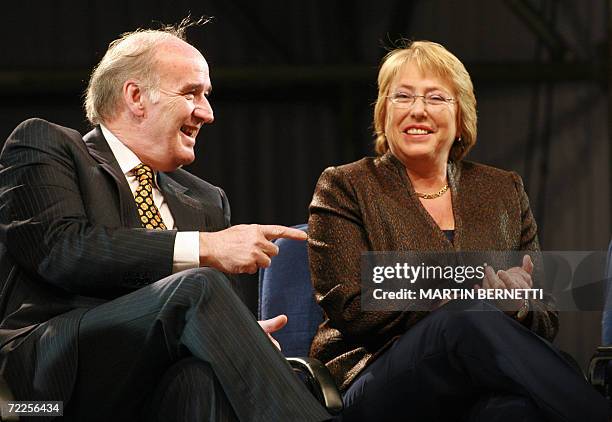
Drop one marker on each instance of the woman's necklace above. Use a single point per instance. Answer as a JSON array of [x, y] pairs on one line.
[[433, 195]]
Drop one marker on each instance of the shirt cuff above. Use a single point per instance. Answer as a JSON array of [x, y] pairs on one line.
[[186, 251]]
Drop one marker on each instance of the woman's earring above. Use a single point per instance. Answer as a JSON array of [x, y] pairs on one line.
[[459, 142]]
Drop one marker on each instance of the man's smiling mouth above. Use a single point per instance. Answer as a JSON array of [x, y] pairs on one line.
[[190, 131]]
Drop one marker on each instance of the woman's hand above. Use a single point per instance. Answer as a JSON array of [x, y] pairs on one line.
[[512, 278]]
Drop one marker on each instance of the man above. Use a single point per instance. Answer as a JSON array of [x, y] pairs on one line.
[[112, 257]]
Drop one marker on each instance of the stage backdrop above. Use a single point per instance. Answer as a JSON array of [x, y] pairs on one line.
[[294, 84]]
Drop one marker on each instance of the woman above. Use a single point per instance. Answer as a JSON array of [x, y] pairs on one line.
[[420, 195]]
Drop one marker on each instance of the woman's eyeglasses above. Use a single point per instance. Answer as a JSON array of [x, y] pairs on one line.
[[405, 100]]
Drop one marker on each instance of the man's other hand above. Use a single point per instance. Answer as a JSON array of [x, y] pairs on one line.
[[243, 248], [272, 325]]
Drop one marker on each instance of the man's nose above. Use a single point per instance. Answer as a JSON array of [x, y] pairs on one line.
[[203, 111]]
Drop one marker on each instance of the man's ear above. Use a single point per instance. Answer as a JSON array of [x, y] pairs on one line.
[[133, 97]]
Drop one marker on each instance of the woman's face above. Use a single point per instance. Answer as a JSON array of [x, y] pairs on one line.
[[420, 131]]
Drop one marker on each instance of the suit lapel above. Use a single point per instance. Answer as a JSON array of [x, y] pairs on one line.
[[187, 212], [101, 152]]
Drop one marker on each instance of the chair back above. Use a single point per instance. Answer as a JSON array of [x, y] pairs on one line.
[[285, 288]]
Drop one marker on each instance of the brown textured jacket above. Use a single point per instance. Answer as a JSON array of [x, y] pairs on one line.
[[370, 205]]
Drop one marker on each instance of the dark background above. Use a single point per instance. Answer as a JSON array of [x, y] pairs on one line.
[[294, 83]]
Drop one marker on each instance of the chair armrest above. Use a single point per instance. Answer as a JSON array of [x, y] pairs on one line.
[[598, 368], [319, 382]]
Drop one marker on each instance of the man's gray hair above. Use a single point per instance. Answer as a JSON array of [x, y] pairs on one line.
[[131, 56]]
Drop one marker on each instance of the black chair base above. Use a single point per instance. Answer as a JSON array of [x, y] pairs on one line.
[[600, 371], [319, 382]]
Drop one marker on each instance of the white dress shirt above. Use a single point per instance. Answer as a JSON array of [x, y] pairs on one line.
[[186, 244]]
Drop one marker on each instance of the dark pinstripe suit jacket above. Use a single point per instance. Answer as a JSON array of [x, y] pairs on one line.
[[70, 239]]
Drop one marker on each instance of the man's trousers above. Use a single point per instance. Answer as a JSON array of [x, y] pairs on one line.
[[129, 346]]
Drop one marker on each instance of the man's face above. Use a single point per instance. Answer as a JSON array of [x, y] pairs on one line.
[[170, 124]]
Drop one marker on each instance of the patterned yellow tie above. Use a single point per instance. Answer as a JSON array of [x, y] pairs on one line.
[[148, 212]]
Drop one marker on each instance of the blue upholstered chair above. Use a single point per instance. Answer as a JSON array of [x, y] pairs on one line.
[[285, 288]]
